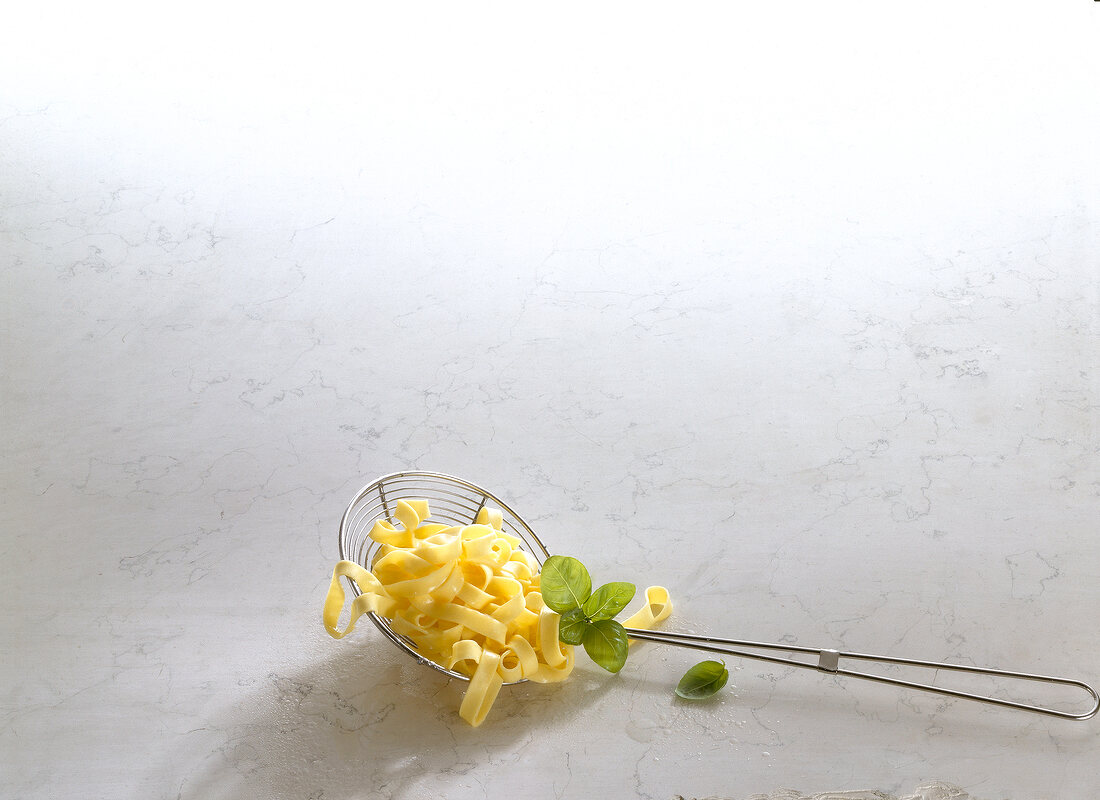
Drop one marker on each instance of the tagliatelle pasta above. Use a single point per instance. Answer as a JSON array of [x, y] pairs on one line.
[[468, 598]]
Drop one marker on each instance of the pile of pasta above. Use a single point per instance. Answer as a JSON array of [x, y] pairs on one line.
[[466, 597]]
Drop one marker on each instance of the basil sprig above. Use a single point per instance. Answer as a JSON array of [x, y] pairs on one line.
[[587, 617], [703, 680]]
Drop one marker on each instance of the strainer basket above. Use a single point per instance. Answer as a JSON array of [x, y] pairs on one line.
[[453, 501]]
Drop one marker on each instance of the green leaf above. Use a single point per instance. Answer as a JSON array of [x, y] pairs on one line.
[[703, 680], [606, 643], [609, 600], [572, 626], [565, 583]]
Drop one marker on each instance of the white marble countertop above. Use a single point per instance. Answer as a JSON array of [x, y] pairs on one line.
[[793, 312]]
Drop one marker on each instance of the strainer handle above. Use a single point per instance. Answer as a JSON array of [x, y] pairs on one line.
[[828, 660]]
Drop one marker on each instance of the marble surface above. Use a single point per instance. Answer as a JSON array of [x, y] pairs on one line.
[[793, 313]]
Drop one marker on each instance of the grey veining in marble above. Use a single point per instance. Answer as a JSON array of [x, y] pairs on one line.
[[793, 312]]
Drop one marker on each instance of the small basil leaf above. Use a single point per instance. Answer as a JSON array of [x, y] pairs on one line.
[[565, 583], [609, 600], [571, 627], [606, 643], [703, 680]]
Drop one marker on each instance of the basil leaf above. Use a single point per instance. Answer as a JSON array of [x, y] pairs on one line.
[[703, 680], [608, 600], [606, 643], [564, 583], [572, 626]]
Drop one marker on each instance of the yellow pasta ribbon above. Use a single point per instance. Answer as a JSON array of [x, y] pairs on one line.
[[409, 513], [493, 517], [373, 598], [484, 686], [657, 607], [553, 654], [526, 660]]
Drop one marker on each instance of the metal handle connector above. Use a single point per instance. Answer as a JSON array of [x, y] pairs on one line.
[[828, 661]]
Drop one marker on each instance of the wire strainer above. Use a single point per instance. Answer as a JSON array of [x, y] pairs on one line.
[[455, 501], [452, 500]]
